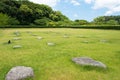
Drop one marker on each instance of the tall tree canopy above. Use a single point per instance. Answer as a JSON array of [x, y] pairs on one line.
[[27, 12], [110, 20]]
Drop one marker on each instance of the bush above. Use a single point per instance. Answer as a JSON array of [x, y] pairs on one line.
[[42, 22], [13, 21], [112, 22], [4, 19]]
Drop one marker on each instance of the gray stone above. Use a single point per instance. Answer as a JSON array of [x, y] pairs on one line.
[[81, 36], [17, 38], [50, 44], [34, 34], [65, 36], [104, 41], [85, 41], [86, 61], [17, 46], [39, 38], [20, 73], [17, 33]]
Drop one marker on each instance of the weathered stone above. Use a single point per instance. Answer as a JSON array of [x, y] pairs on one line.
[[81, 36], [104, 41], [50, 44], [86, 61], [17, 46], [39, 38], [17, 38], [65, 36], [34, 34], [85, 41], [20, 73], [17, 33]]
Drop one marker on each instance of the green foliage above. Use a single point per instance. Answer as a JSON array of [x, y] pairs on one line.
[[51, 23], [107, 20], [13, 21], [4, 19], [42, 22], [112, 22], [58, 16], [27, 12], [24, 12], [99, 20], [58, 24], [81, 22], [25, 9]]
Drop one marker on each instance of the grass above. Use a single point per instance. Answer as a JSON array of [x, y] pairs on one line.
[[54, 62]]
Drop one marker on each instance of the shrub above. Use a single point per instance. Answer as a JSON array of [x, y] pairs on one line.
[[13, 21], [4, 19], [42, 22]]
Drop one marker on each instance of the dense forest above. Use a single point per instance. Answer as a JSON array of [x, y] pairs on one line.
[[24, 12]]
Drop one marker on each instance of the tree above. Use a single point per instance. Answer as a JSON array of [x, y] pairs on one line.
[[38, 13], [99, 20], [42, 22], [13, 21], [105, 20], [81, 22], [112, 22], [25, 14], [4, 19], [58, 16]]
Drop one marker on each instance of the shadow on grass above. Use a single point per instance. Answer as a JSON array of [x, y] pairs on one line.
[[30, 78], [92, 68]]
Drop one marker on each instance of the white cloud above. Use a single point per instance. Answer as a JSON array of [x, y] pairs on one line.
[[113, 6], [51, 3], [89, 1], [113, 10], [75, 2], [75, 15]]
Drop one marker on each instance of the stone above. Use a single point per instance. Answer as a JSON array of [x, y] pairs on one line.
[[34, 34], [17, 38], [86, 61], [85, 41], [17, 33], [104, 41], [39, 38], [65, 36], [20, 73], [81, 36], [50, 44], [17, 46], [28, 31]]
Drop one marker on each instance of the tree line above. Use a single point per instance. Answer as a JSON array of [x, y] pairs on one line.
[[24, 12]]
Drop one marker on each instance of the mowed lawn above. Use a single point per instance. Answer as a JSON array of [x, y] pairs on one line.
[[54, 62]]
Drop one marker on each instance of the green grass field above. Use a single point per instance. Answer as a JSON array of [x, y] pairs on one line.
[[54, 62]]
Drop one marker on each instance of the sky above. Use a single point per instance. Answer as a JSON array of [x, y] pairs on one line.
[[83, 9]]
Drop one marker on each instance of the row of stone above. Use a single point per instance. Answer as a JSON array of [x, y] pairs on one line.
[[22, 72], [17, 33], [86, 41], [19, 46]]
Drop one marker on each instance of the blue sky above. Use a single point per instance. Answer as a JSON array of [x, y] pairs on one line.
[[83, 9]]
